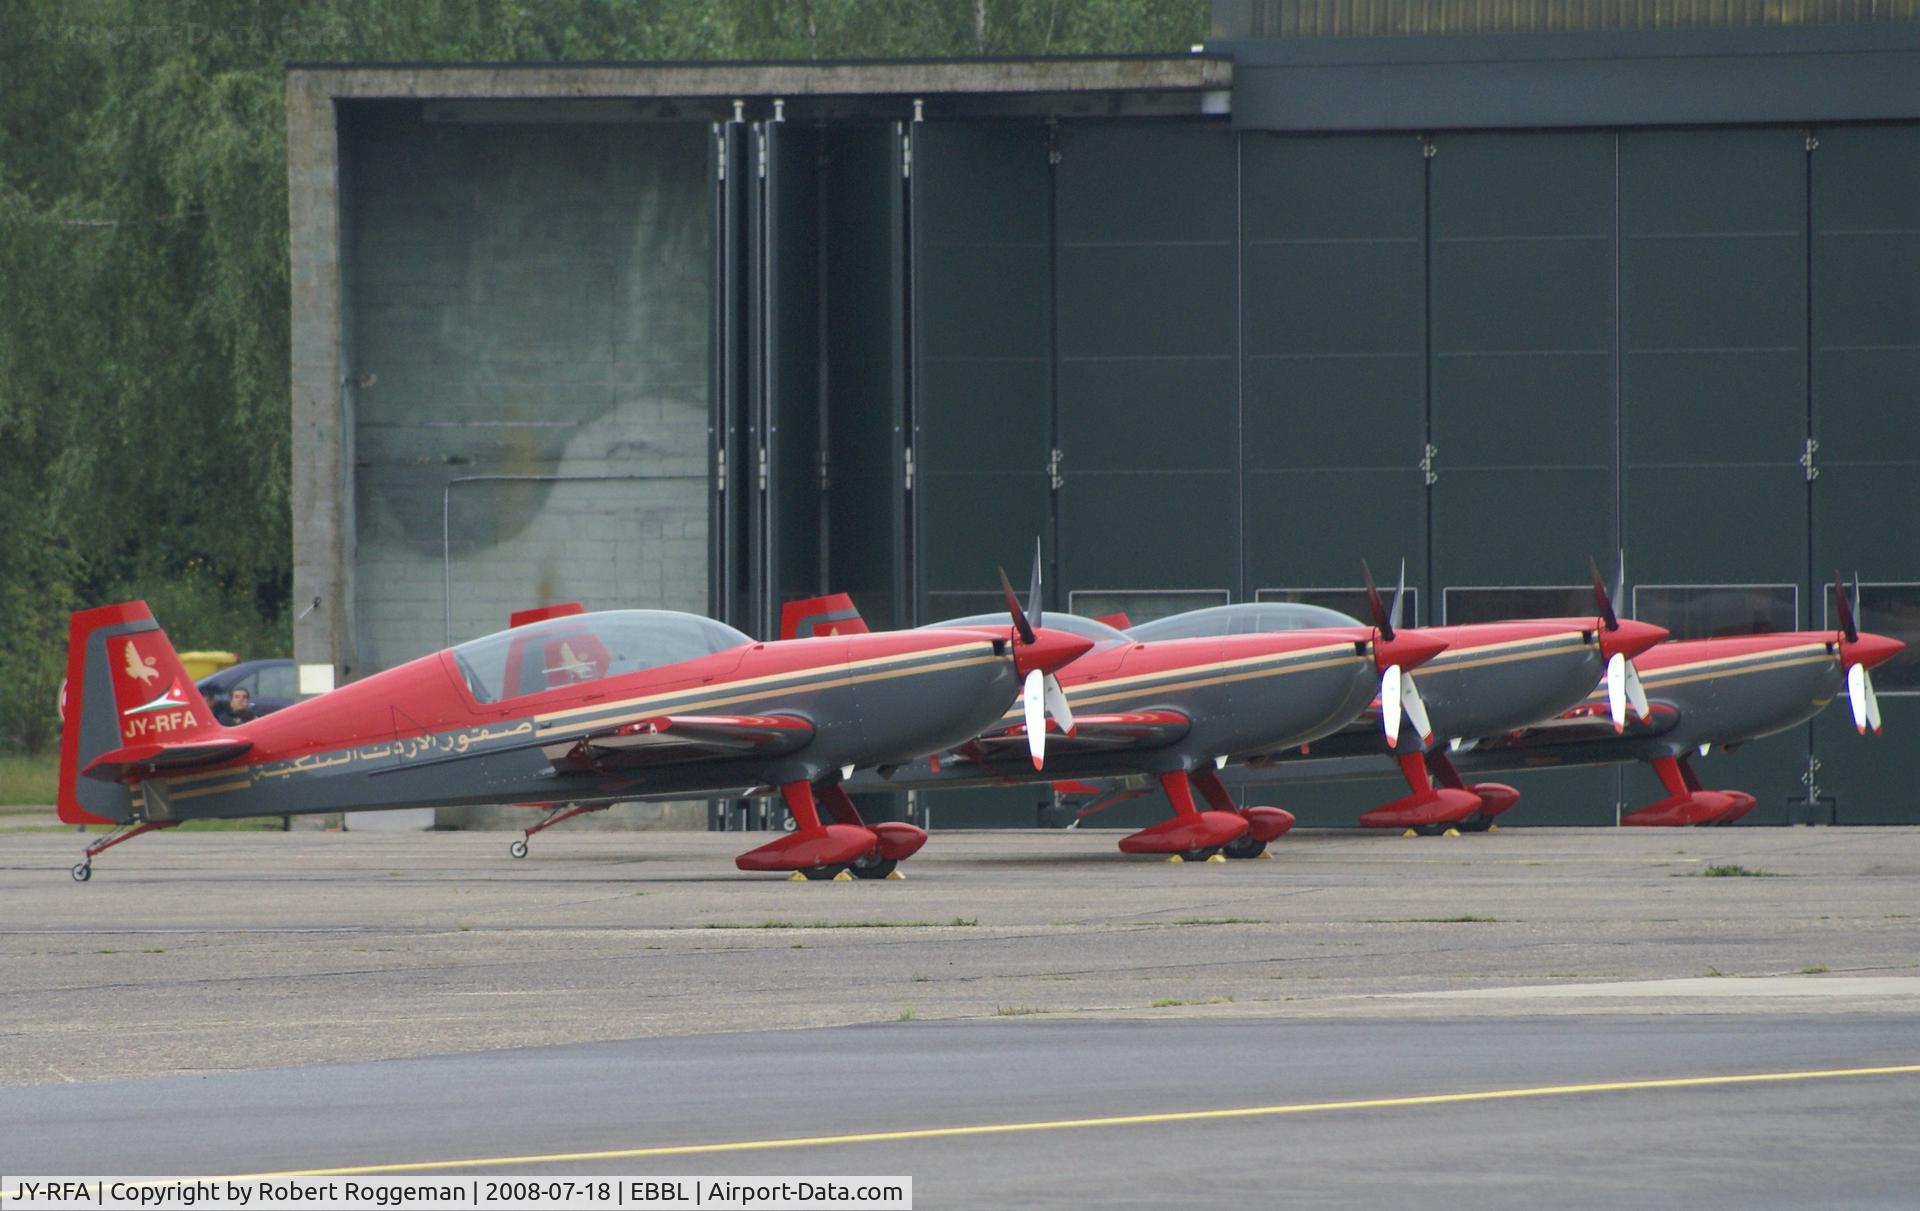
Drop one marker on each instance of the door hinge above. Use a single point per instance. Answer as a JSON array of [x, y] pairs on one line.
[[909, 468], [906, 156], [720, 148], [1811, 779], [1813, 141], [760, 150], [761, 474], [720, 469], [1426, 464], [1428, 148], [823, 471], [1806, 459], [1053, 471]]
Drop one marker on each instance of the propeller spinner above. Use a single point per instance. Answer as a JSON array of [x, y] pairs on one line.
[[1041, 693], [1617, 639], [1395, 655]]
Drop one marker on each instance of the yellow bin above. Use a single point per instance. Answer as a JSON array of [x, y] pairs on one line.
[[204, 664]]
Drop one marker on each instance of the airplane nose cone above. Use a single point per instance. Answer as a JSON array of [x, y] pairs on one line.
[[1050, 650], [1408, 649], [1870, 650], [1631, 639]]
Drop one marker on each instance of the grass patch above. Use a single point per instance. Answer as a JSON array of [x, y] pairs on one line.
[[955, 923], [160, 950], [1220, 921], [1464, 918], [906, 1014], [1014, 1011], [1733, 870], [1816, 969], [1168, 1002], [1716, 973], [29, 781], [921, 979]]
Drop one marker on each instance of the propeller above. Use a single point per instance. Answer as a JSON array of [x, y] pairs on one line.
[[1041, 693], [1399, 694], [1624, 688], [1860, 695]]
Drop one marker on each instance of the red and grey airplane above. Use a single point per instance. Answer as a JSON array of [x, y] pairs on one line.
[[1492, 678], [580, 707], [1707, 693], [1177, 711]]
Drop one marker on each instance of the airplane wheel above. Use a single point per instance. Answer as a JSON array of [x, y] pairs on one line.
[[817, 873], [518, 849], [1475, 823], [1198, 855], [873, 868], [1245, 847], [1431, 830], [82, 871]]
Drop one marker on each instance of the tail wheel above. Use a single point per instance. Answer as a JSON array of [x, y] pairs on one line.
[[1245, 847], [518, 849], [82, 871], [873, 867]]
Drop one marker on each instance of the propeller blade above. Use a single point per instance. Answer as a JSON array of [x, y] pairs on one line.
[[1034, 696], [1600, 599], [1381, 622], [1857, 696], [1390, 704], [1873, 699], [1399, 595], [1637, 694], [1617, 690], [1416, 708], [1848, 626], [1020, 622], [1033, 590], [1057, 705]]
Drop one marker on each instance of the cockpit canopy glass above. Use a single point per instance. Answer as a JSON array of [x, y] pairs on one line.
[[1101, 634], [586, 647], [1247, 618]]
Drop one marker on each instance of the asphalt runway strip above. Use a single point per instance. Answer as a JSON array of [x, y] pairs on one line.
[[1128, 1120]]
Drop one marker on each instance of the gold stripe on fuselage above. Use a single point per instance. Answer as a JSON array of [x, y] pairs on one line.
[[1078, 698], [1471, 658], [1725, 666]]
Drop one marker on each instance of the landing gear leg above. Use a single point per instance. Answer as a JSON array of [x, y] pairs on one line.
[[1190, 831], [519, 848], [83, 869]]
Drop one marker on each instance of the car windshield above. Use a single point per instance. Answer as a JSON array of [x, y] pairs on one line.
[[1248, 618], [1101, 634], [586, 647]]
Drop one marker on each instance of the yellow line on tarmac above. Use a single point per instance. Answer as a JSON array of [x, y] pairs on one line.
[[1125, 1120]]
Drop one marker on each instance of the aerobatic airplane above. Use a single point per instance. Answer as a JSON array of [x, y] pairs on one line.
[[1708, 693], [1175, 711], [1492, 678], [579, 707]]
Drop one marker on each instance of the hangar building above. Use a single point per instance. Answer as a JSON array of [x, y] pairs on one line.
[[1487, 286]]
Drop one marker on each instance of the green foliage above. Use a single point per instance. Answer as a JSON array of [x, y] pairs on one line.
[[144, 412]]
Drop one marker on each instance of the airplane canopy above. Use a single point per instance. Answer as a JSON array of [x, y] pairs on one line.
[[586, 647], [1247, 618]]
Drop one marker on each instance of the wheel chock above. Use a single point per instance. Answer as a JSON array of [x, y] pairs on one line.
[[1409, 833], [1175, 858], [843, 877], [1218, 858], [1452, 832], [1493, 828], [894, 874], [1266, 856], [796, 877]]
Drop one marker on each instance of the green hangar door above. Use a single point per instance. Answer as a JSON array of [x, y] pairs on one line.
[[1866, 371], [1713, 397], [1521, 381]]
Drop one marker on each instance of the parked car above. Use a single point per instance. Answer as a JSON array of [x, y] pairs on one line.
[[272, 684]]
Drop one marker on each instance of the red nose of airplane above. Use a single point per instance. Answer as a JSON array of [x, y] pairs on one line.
[[1869, 650], [1050, 650], [1408, 649], [1631, 639]]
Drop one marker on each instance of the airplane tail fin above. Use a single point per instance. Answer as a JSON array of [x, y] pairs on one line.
[[833, 614], [126, 696]]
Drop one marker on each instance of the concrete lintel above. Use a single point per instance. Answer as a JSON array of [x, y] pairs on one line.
[[1184, 73]]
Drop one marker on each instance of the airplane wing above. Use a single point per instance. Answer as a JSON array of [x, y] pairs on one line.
[[1108, 733], [675, 739]]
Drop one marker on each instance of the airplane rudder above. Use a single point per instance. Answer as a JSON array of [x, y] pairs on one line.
[[90, 711]]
